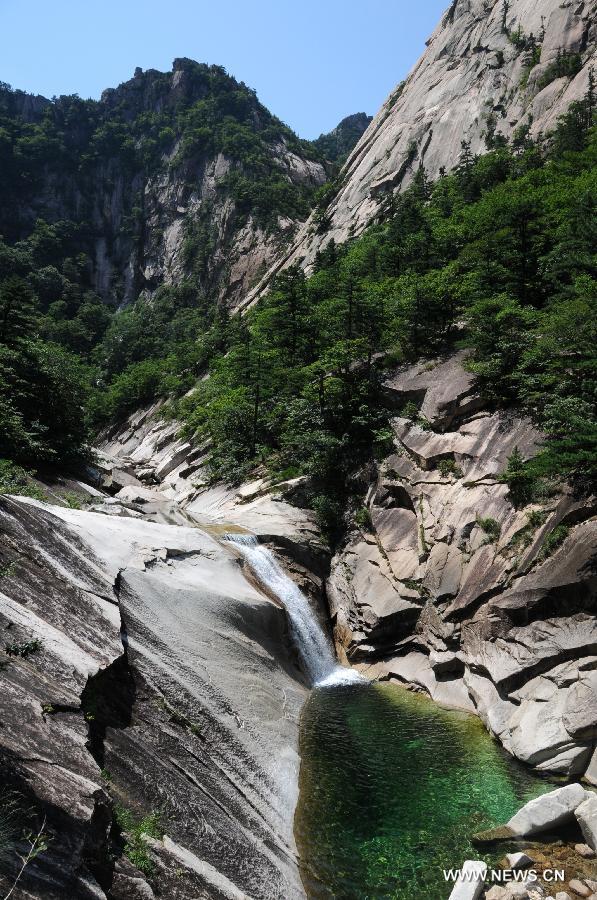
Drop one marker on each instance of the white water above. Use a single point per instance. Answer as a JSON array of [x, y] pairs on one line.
[[316, 651]]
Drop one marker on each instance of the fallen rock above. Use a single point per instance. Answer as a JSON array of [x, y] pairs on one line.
[[577, 887], [586, 815], [514, 891], [548, 811], [471, 880], [136, 494], [519, 860], [584, 850]]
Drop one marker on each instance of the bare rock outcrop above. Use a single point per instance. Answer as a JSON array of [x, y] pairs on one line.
[[455, 591], [479, 77], [141, 670]]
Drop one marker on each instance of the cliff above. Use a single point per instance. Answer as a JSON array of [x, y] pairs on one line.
[[491, 69], [455, 589], [170, 177]]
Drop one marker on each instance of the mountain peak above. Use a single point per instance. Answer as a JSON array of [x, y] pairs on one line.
[[337, 144]]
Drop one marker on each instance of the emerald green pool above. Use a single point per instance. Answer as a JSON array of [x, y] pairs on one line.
[[392, 788]]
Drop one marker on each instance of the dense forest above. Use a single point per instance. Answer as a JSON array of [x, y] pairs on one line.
[[497, 256]]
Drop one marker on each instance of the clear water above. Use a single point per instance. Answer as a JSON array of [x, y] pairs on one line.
[[392, 788], [316, 651]]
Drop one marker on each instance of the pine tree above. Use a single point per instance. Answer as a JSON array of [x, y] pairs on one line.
[[17, 311]]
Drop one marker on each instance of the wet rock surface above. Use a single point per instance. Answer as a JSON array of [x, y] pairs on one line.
[[145, 674]]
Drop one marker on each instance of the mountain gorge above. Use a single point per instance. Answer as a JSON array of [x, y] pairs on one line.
[[371, 359]]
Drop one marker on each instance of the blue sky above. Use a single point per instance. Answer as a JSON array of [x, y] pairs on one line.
[[312, 62]]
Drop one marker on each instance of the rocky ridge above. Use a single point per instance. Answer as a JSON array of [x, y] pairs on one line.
[[478, 78]]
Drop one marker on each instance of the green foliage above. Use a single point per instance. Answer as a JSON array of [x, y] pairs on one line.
[[25, 649], [363, 519], [504, 244], [16, 480], [72, 500], [520, 479], [448, 467], [491, 527], [525, 536], [330, 517], [337, 145], [554, 540], [497, 256], [565, 65], [7, 570], [135, 847], [536, 518], [137, 385]]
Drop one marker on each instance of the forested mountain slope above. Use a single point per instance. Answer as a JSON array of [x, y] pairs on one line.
[[170, 177]]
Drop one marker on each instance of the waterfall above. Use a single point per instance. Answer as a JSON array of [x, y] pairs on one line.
[[316, 651]]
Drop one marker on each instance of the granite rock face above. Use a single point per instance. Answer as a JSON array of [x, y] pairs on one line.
[[159, 222], [146, 452], [475, 77], [141, 669], [454, 591]]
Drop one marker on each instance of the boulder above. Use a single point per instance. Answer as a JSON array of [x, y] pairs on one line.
[[585, 851], [579, 888], [519, 860], [548, 811], [514, 891], [586, 815], [444, 388], [471, 881], [137, 494]]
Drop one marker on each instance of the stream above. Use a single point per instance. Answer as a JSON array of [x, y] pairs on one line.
[[392, 786]]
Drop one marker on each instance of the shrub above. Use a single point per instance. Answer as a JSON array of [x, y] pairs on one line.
[[329, 517], [72, 500], [16, 480], [448, 467], [554, 540], [491, 527], [24, 650], [135, 847], [524, 537], [536, 518], [363, 519], [565, 64], [521, 480]]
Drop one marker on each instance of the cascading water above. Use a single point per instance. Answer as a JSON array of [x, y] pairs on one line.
[[391, 785], [316, 652]]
